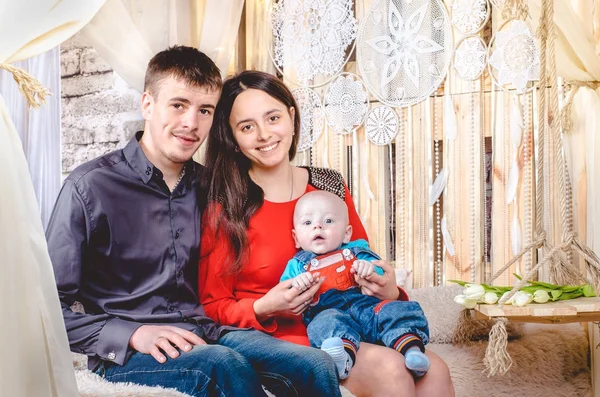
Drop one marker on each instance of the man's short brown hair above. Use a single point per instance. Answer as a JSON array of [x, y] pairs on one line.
[[183, 63]]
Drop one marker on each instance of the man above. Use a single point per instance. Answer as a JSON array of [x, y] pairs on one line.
[[124, 241]]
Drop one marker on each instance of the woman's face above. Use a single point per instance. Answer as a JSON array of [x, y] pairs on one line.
[[262, 127]]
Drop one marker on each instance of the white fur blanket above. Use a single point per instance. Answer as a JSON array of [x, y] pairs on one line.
[[549, 360]]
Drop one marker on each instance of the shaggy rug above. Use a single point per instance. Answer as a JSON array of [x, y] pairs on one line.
[[548, 360]]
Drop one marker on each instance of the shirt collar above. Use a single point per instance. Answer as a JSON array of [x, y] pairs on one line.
[[137, 159]]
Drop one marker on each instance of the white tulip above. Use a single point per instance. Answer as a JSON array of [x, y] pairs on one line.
[[474, 291], [522, 298], [510, 300], [466, 302], [541, 296], [490, 298]]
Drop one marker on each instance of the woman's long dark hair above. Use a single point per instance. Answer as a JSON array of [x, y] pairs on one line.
[[227, 179]]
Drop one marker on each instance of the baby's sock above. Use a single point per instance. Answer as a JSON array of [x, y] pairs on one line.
[[337, 349], [416, 361], [412, 348]]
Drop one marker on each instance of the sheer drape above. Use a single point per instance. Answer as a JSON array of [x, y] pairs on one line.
[[576, 59], [39, 129], [127, 33], [36, 359]]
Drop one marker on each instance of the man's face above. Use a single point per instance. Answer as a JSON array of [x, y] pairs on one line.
[[321, 225], [178, 117]]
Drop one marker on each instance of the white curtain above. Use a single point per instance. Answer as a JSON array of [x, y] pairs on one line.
[[127, 33], [576, 59], [39, 129], [36, 359]]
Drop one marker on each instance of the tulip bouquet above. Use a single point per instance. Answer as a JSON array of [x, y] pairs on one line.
[[535, 291]]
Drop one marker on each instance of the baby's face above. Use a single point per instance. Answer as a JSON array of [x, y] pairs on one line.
[[321, 226]]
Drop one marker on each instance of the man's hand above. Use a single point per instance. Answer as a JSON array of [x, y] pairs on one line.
[[151, 339], [362, 268]]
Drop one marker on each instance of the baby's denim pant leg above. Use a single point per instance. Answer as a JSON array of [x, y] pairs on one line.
[[394, 319]]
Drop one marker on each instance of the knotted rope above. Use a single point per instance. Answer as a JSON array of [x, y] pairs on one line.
[[497, 360], [565, 113]]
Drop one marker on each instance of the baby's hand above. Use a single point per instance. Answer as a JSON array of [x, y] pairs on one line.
[[304, 281], [362, 268]]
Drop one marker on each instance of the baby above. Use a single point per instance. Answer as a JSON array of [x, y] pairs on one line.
[[340, 317]]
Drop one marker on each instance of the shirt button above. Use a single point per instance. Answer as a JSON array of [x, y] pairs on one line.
[[176, 234], [148, 170], [112, 356], [171, 309], [180, 274]]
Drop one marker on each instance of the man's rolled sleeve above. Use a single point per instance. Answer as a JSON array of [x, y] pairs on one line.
[[113, 342]]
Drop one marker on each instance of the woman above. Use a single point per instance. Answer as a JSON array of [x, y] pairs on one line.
[[247, 237]]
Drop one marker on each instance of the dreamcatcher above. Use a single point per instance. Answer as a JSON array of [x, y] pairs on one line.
[[346, 105], [514, 63], [470, 16], [404, 49], [311, 39], [312, 119]]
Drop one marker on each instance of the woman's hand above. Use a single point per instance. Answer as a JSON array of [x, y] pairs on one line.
[[286, 300], [382, 287]]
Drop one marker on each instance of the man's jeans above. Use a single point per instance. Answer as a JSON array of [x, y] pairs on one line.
[[356, 317], [236, 367]]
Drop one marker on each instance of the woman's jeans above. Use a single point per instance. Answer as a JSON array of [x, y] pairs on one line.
[[238, 366]]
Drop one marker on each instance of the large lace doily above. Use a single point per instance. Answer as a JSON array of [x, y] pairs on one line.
[[470, 58], [469, 16], [403, 49], [382, 125], [312, 117], [311, 37], [346, 103], [515, 59]]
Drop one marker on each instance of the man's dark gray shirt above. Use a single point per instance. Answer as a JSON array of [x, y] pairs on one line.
[[127, 248]]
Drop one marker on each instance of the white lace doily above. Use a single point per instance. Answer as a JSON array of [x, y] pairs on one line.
[[346, 103], [311, 37], [470, 58], [403, 49], [515, 58], [382, 125], [470, 16], [312, 117]]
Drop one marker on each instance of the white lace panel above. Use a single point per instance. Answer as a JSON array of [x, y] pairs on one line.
[[312, 37], [346, 103], [403, 49], [312, 117]]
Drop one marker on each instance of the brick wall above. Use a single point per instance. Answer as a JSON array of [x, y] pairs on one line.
[[100, 112]]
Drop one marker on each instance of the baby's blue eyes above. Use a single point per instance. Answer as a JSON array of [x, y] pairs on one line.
[[306, 223], [328, 220]]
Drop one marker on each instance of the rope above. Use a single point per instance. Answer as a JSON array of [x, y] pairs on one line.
[[565, 113], [497, 360], [30, 87], [515, 9], [542, 34]]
